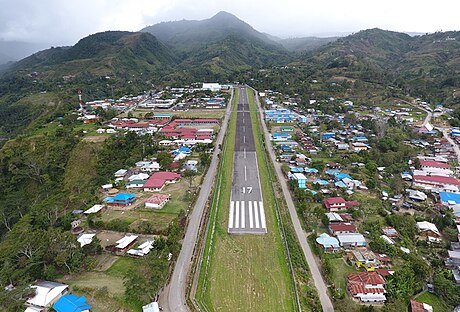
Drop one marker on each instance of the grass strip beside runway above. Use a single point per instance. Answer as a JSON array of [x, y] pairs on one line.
[[243, 272]]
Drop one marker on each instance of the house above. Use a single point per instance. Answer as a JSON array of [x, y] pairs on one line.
[[85, 239], [121, 199], [301, 180], [359, 146], [416, 195], [191, 165], [124, 243], [449, 199], [95, 209], [151, 307], [390, 231], [281, 137], [334, 217], [342, 228], [335, 204], [367, 287], [46, 294], [135, 184], [453, 259], [140, 176], [71, 303], [158, 180], [416, 306], [120, 173], [429, 231], [366, 259], [351, 240], [329, 244], [342, 146], [157, 201], [142, 250]]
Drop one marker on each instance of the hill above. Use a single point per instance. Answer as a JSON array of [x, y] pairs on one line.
[[222, 44], [425, 65], [111, 53]]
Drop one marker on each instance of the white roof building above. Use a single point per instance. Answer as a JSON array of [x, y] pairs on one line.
[[151, 307], [425, 226], [47, 293], [94, 209], [85, 239], [120, 173], [125, 241]]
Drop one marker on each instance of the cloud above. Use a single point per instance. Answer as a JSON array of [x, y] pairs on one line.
[[65, 22]]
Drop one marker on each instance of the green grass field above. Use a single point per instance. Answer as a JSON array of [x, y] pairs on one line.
[[246, 272], [433, 300]]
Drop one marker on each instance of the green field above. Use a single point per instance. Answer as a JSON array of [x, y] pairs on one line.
[[434, 301], [245, 272]]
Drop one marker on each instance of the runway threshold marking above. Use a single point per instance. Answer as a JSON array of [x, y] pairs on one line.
[[232, 208], [262, 215], [237, 217], [243, 219], [251, 220], [256, 215]]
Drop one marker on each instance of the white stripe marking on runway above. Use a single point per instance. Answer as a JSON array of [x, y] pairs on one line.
[[245, 174], [245, 152], [237, 217], [251, 220], [230, 221], [243, 217], [262, 215], [244, 139], [256, 214]]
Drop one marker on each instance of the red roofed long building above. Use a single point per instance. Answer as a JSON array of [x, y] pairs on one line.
[[434, 164], [158, 180], [436, 182], [342, 228], [338, 203], [367, 287]]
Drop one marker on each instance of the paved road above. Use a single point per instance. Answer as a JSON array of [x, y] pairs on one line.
[[246, 213], [320, 285], [174, 298]]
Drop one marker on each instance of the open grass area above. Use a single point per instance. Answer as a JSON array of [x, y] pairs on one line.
[[340, 270], [434, 301], [105, 290], [246, 272]]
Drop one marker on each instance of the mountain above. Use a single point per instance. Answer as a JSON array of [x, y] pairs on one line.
[[109, 53], [421, 65], [221, 44]]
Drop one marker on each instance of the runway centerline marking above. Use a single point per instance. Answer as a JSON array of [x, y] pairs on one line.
[[245, 174]]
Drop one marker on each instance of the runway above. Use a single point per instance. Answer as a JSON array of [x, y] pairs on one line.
[[246, 211]]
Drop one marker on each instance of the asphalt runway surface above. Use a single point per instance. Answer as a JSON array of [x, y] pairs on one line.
[[246, 212]]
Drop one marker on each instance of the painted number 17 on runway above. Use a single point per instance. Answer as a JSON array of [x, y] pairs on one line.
[[246, 189]]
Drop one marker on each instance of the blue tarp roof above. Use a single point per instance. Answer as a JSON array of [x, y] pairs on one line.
[[340, 184], [281, 135], [296, 169], [341, 176], [445, 196], [71, 303], [311, 170], [360, 138], [321, 182], [118, 197], [332, 171]]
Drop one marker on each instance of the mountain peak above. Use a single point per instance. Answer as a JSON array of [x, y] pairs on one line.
[[223, 15]]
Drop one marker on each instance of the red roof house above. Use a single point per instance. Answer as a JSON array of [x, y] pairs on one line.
[[335, 203], [158, 180], [342, 228]]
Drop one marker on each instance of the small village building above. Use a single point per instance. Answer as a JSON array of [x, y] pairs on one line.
[[142, 250], [151, 307], [390, 231], [46, 294], [157, 201], [95, 209], [85, 239], [367, 287], [135, 184], [124, 243], [416, 306], [429, 231], [351, 240], [158, 180], [71, 303], [329, 244], [301, 180], [120, 173], [335, 204], [364, 258], [121, 199], [342, 228]]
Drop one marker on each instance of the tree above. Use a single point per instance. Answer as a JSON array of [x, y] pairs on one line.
[[165, 160], [189, 175]]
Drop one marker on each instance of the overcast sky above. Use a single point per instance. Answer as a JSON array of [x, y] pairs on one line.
[[64, 22]]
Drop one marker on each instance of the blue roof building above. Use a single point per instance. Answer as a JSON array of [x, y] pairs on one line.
[[341, 176], [311, 170], [121, 199], [321, 182], [327, 135], [71, 303], [449, 198], [360, 139]]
